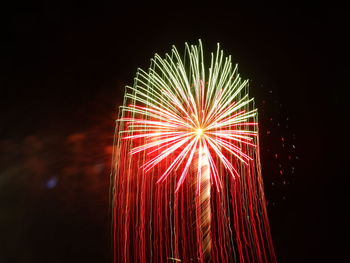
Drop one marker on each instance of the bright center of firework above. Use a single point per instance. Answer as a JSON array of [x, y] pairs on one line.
[[199, 132]]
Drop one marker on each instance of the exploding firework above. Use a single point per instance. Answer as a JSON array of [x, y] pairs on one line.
[[186, 178]]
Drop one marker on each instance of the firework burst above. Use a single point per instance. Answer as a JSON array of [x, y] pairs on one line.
[[187, 179]]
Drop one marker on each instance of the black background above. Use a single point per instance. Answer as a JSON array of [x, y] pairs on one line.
[[63, 71]]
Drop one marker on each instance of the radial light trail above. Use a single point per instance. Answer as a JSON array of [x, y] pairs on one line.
[[186, 175]]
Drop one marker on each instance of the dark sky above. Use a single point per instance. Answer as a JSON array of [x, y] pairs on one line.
[[63, 71]]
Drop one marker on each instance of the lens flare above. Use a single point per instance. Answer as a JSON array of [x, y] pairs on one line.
[[186, 176]]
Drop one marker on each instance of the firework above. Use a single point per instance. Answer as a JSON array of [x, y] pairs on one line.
[[187, 177]]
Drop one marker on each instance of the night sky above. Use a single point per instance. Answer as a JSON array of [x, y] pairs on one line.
[[63, 71]]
